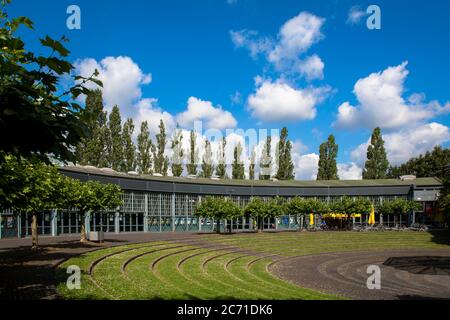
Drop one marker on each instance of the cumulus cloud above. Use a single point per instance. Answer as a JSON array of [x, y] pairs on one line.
[[211, 117], [355, 15], [294, 39], [147, 110], [122, 86], [407, 143], [122, 79], [381, 103], [349, 171], [274, 101], [306, 166]]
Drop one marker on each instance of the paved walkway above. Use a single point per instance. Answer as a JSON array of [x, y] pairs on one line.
[[405, 274]]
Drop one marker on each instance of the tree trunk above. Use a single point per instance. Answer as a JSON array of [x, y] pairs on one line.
[[260, 224], [218, 225], [83, 237], [34, 231]]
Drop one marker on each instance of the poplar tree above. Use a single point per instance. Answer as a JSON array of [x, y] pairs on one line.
[[221, 169], [115, 130], [192, 156], [129, 163], [238, 171], [265, 163], [207, 163], [144, 149], [90, 149], [285, 165], [251, 167], [327, 160], [377, 164], [177, 153], [161, 162]]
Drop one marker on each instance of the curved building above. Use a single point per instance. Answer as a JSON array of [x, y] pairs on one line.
[[167, 204]]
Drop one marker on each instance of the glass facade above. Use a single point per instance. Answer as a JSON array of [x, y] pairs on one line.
[[156, 212]]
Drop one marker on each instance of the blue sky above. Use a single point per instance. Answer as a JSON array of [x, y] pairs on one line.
[[202, 50]]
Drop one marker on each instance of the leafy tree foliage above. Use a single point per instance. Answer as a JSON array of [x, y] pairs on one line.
[[302, 206], [193, 155], [161, 162], [35, 117], [92, 149], [207, 163], [177, 153], [252, 165], [397, 206], [91, 196], [238, 170], [265, 163], [221, 169], [35, 185], [145, 148], [285, 164], [218, 209], [258, 209], [116, 154], [430, 164], [377, 164], [129, 163], [327, 160]]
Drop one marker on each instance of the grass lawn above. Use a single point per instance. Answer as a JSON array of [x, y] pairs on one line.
[[221, 266]]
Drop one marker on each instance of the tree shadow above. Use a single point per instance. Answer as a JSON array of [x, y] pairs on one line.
[[440, 236], [428, 265]]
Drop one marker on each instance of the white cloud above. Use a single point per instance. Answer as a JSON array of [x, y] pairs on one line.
[[349, 171], [381, 103], [296, 36], [249, 39], [405, 144], [306, 166], [122, 80], [355, 15], [294, 39], [148, 110], [211, 117], [274, 101], [312, 67]]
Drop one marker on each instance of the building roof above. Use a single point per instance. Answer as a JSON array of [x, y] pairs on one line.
[[418, 182]]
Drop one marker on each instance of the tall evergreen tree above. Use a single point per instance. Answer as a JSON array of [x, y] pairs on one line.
[[115, 131], [377, 164], [327, 160], [161, 162], [177, 153], [144, 149], [221, 169], [129, 149], [265, 163], [251, 167], [193, 157], [238, 171], [285, 164], [207, 163]]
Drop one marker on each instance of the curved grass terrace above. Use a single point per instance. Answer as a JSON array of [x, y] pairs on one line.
[[220, 267]]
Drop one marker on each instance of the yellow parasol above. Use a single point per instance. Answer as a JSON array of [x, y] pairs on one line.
[[311, 219], [372, 216]]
